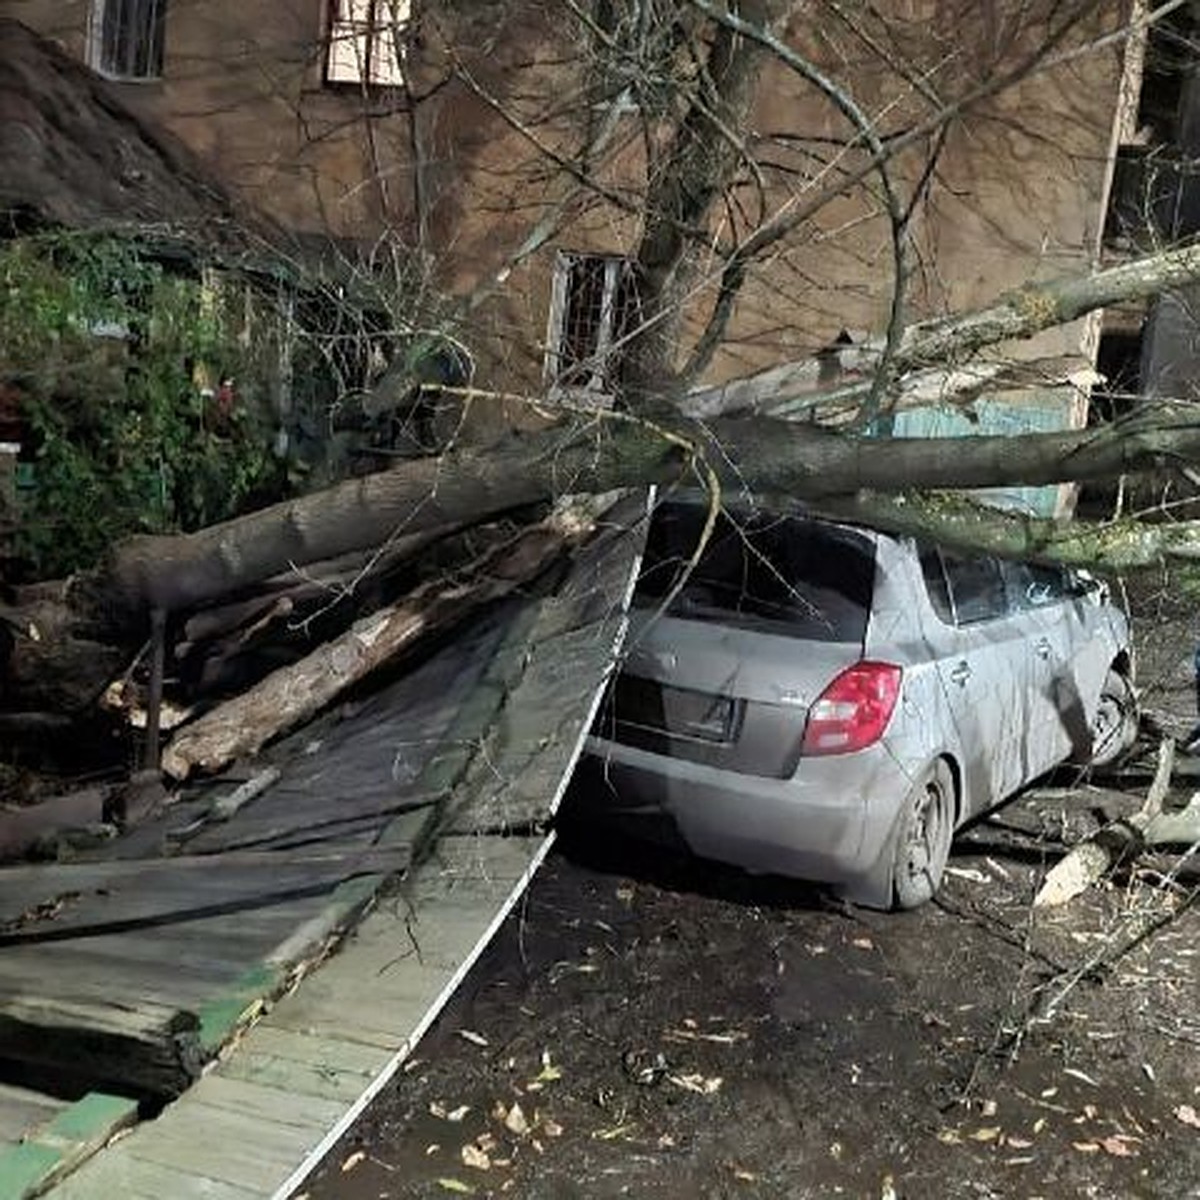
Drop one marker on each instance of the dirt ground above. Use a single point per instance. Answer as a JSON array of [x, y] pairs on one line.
[[647, 1025]]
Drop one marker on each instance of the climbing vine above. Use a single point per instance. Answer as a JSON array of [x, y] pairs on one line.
[[141, 403]]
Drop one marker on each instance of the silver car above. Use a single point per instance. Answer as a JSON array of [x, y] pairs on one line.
[[830, 702]]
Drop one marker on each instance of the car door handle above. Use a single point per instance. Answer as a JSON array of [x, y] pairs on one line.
[[1042, 648], [961, 674]]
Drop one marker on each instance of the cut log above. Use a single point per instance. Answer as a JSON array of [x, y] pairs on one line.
[[1121, 840], [292, 694]]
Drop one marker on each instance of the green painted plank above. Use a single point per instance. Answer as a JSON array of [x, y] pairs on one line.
[[220, 1018], [74, 1134], [94, 1118], [27, 1168]]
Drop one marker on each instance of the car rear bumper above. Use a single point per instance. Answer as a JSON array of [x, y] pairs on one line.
[[829, 823]]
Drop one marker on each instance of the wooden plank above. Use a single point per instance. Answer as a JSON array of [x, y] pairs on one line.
[[283, 1073], [215, 1144], [117, 1173], [263, 1102], [305, 1049], [21, 1109], [150, 1048], [72, 1135]]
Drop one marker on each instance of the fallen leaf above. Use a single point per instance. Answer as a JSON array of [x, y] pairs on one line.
[[458, 1113], [432, 1149], [456, 1185], [987, 1134], [1119, 1145], [950, 1137], [551, 1128], [1018, 1143], [704, 1086], [1075, 1073], [472, 1156], [1085, 1147], [967, 873], [548, 1074], [469, 1035], [1020, 1160], [863, 943], [614, 1131], [988, 1108], [1188, 1115], [353, 1160], [516, 1121], [741, 1174], [1039, 1125]]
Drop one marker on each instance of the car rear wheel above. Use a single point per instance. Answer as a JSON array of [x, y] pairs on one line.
[[1115, 726], [923, 837]]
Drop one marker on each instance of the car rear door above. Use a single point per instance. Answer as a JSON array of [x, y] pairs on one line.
[[980, 659], [1058, 722]]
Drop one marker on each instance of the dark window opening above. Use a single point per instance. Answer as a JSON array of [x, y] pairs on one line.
[[1155, 196], [778, 573], [1119, 360], [131, 35], [1170, 58], [595, 311]]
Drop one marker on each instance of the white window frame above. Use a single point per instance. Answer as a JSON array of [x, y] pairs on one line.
[[365, 46], [601, 361], [152, 19]]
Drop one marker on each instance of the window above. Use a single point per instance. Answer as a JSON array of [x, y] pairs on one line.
[[760, 570], [976, 588], [366, 42], [127, 38], [962, 589], [593, 311]]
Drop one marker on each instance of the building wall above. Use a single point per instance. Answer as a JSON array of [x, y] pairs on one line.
[[1016, 195]]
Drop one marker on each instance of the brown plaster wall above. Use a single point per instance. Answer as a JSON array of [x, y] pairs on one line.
[[1016, 196]]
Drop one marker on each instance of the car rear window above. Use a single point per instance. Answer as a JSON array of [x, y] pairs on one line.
[[783, 574]]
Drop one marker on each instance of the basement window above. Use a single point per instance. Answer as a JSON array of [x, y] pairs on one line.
[[593, 312], [127, 38], [366, 42]]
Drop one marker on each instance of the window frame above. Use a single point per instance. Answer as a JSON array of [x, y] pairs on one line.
[[360, 38], [605, 357], [151, 37]]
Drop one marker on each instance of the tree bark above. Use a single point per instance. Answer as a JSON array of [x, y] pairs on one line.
[[293, 694]]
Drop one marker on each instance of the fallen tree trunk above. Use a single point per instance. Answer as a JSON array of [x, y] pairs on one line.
[[293, 694], [1122, 840]]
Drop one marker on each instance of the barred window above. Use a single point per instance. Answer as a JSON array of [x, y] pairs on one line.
[[127, 38], [593, 312], [366, 42]]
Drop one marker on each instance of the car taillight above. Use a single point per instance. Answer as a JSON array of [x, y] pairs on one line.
[[853, 711]]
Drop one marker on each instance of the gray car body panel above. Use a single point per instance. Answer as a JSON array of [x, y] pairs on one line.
[[1002, 701]]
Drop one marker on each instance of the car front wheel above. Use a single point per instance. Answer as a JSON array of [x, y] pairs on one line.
[[923, 839], [1115, 726]]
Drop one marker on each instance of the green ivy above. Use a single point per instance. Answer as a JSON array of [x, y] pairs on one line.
[[107, 351]]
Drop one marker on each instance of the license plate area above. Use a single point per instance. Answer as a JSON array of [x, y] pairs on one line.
[[676, 712]]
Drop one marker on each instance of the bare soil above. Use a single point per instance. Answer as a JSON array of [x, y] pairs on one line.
[[649, 1025]]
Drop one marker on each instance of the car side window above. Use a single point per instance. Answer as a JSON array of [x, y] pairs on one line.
[[977, 588], [1032, 585], [935, 583]]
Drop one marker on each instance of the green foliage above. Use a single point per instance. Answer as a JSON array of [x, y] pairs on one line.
[[108, 352]]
